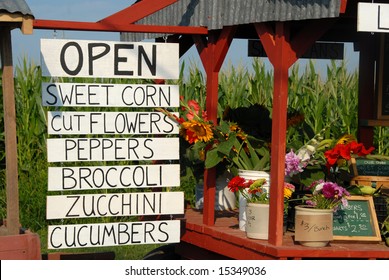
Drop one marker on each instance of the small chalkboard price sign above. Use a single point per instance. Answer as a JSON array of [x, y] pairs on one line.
[[370, 167], [357, 221]]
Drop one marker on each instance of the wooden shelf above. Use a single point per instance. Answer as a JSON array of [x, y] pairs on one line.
[[225, 240], [364, 122]]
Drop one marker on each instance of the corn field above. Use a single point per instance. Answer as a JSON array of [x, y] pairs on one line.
[[321, 102]]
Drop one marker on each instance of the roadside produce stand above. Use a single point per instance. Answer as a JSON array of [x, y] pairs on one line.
[[286, 31]]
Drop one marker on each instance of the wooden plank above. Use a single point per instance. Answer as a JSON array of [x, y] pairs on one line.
[[103, 59], [118, 123], [114, 205], [109, 95], [113, 234], [20, 247], [113, 177], [111, 149], [12, 190]]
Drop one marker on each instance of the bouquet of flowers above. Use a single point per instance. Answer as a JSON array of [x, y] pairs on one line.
[[345, 148], [219, 143], [326, 195], [252, 190]]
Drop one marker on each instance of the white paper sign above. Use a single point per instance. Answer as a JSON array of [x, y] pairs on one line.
[[80, 58], [113, 234], [124, 123], [373, 17], [109, 95], [114, 205], [112, 149], [113, 177]]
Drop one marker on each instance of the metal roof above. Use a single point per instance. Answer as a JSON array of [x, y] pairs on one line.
[[218, 13], [15, 6]]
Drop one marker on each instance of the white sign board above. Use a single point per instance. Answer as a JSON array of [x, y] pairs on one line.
[[114, 205], [102, 59], [124, 123], [112, 149], [373, 17], [113, 234], [109, 95], [113, 177]]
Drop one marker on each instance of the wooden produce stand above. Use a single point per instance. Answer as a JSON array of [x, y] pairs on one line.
[[285, 38], [12, 244]]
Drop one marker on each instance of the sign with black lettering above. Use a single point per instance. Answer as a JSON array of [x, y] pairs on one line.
[[111, 149], [373, 17], [134, 123], [318, 50], [113, 234], [357, 221], [69, 58], [113, 177], [134, 156], [114, 205], [109, 95]]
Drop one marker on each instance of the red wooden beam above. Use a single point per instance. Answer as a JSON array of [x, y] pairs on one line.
[[282, 52], [212, 54], [137, 11], [98, 26], [343, 6]]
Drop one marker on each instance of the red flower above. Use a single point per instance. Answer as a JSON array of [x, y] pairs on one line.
[[238, 183], [342, 152]]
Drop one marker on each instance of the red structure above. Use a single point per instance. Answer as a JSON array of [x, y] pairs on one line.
[[284, 41]]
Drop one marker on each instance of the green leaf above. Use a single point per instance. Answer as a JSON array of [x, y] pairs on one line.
[[213, 158]]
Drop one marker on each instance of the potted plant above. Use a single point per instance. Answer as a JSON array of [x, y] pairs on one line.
[[256, 194], [257, 208], [313, 221]]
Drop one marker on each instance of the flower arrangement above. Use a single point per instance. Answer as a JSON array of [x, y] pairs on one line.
[[345, 148], [326, 195], [252, 190], [224, 143]]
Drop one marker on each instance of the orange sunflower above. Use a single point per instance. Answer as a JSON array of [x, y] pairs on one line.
[[194, 131]]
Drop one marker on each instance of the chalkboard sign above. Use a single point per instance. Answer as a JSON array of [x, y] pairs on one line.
[[383, 82], [370, 167], [357, 221]]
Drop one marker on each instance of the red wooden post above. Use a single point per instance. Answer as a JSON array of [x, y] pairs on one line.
[[212, 56], [282, 53]]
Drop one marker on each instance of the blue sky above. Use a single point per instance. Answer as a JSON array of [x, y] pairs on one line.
[[94, 10]]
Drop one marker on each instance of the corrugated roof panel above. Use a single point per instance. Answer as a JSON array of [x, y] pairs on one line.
[[218, 13], [15, 6]]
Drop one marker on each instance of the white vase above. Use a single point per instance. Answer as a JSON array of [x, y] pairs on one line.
[[313, 227], [257, 224], [224, 198], [250, 175]]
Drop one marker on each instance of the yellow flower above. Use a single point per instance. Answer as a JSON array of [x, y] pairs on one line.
[[345, 139], [287, 193], [194, 131]]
